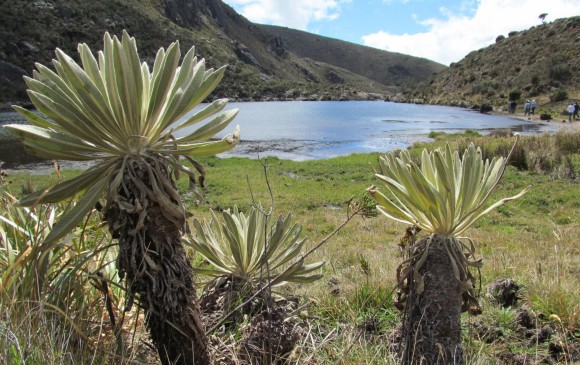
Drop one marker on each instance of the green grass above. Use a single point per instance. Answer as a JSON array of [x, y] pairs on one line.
[[349, 315]]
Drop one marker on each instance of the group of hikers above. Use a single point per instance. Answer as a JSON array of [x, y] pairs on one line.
[[573, 111], [530, 108]]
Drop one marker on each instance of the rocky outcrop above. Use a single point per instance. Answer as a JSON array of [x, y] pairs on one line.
[[246, 55], [189, 13], [333, 77], [276, 45]]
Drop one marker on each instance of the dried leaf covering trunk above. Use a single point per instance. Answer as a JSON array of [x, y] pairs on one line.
[[432, 324], [153, 261]]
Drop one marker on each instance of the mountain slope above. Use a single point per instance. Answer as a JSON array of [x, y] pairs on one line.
[[542, 62], [388, 68], [264, 62]]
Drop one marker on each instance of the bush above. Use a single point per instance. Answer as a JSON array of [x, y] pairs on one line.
[[559, 95], [499, 38], [559, 72], [485, 108], [512, 33], [515, 95]]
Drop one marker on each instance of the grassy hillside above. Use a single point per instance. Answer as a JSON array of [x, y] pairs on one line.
[[542, 62], [263, 64]]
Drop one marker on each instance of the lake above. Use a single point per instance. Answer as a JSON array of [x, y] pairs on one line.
[[325, 129], [303, 130]]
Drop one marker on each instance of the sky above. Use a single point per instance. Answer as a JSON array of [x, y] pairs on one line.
[[444, 31]]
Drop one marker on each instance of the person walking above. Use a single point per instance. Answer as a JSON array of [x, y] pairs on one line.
[[570, 112], [576, 108], [534, 106], [527, 107]]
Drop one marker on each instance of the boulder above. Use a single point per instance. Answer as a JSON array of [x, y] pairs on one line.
[[27, 48]]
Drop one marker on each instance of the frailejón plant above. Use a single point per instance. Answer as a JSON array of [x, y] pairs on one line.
[[245, 247], [115, 110], [443, 197]]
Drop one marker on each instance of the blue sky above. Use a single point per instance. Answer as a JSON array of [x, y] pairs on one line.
[[444, 31]]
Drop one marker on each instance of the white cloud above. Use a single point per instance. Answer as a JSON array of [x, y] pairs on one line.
[[451, 38], [290, 13]]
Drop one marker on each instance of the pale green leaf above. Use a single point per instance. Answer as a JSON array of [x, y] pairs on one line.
[[73, 217]]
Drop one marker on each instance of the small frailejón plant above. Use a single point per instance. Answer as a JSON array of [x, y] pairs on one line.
[[247, 251], [116, 111], [443, 196], [248, 255]]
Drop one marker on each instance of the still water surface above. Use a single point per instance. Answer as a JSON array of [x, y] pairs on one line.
[[317, 130]]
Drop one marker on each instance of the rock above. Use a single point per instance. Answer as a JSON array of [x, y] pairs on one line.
[[64, 12], [189, 13], [11, 72], [43, 5], [333, 77], [276, 45], [27, 48], [246, 55]]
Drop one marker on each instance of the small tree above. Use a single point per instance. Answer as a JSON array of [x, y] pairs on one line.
[[443, 196], [542, 17]]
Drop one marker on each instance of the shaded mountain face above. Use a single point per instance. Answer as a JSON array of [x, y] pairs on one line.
[[387, 68], [263, 61], [541, 63]]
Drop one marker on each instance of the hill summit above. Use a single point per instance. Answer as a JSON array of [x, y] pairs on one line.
[[541, 63]]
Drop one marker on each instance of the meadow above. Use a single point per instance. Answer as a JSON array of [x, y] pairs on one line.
[[346, 317]]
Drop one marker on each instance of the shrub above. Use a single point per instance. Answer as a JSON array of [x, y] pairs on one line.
[[559, 72], [559, 95], [499, 38], [515, 95], [512, 33]]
